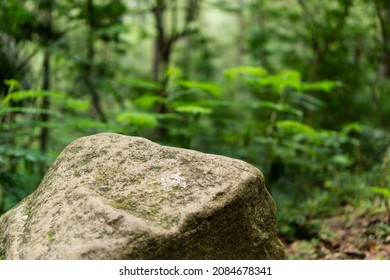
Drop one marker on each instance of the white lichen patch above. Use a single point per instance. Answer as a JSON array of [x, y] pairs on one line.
[[171, 180]]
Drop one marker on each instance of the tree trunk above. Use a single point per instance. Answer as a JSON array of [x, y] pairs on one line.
[[46, 72], [260, 19], [383, 12], [97, 112], [162, 53], [163, 46], [320, 43], [44, 137], [241, 32]]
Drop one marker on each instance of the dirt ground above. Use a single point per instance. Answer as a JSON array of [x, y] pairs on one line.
[[364, 236]]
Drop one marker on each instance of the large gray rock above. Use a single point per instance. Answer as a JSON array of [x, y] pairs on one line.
[[109, 196]]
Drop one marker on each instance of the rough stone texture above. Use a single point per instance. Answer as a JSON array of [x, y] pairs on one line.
[[110, 196]]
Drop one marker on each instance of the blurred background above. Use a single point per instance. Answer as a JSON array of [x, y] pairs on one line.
[[300, 89]]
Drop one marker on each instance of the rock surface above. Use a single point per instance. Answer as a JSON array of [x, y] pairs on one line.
[[110, 196]]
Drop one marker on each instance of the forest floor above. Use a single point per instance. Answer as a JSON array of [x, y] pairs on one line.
[[351, 235]]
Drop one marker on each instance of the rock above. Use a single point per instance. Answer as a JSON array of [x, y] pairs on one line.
[[110, 196]]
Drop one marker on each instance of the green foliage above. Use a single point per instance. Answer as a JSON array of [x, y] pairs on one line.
[[237, 72], [136, 84], [193, 109], [148, 101], [21, 159], [301, 210], [325, 86], [384, 183], [296, 128], [18, 96], [138, 119], [24, 24], [210, 88], [385, 191]]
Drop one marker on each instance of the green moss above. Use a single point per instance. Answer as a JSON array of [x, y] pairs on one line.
[[153, 211], [176, 188], [74, 149], [49, 236], [104, 175], [150, 213], [167, 221], [169, 154], [125, 205], [29, 208], [153, 186], [136, 158], [88, 157]]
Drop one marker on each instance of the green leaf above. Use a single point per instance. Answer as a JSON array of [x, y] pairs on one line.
[[305, 100], [326, 86], [111, 31], [28, 110], [234, 73], [353, 127], [283, 108], [290, 78], [138, 119], [174, 73], [31, 155], [76, 104], [341, 160], [13, 85], [210, 88], [296, 127], [193, 109], [140, 83], [169, 116], [61, 98], [383, 191], [28, 94], [284, 79], [147, 101]]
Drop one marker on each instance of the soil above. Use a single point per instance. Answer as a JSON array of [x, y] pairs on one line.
[[364, 236]]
